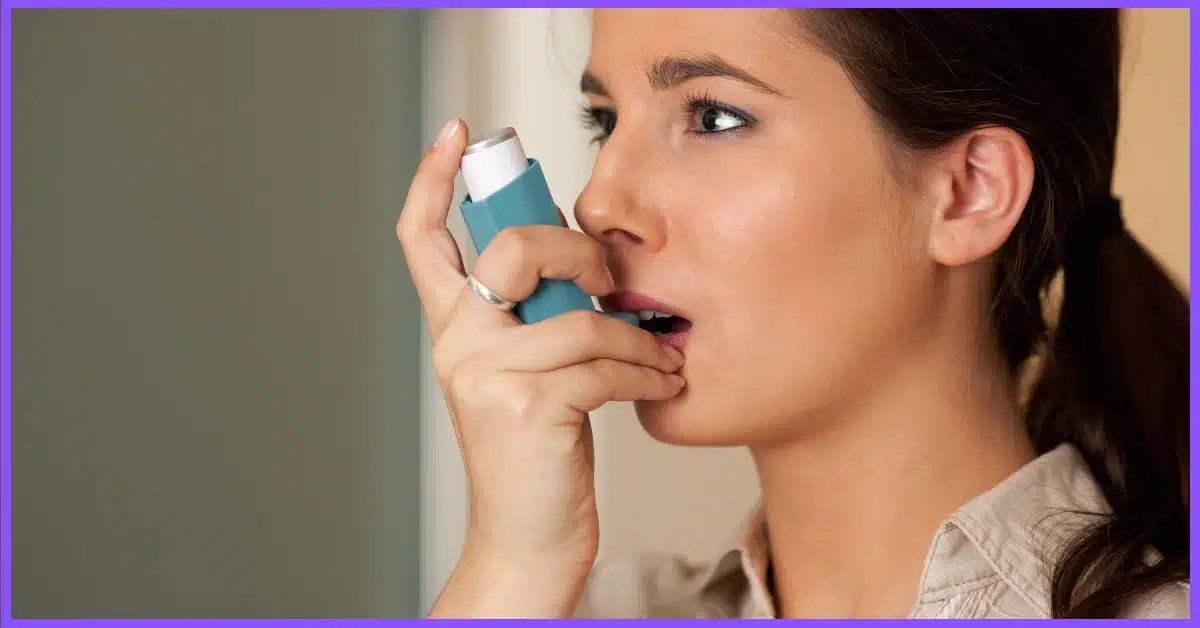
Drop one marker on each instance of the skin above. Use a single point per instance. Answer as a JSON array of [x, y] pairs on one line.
[[837, 285]]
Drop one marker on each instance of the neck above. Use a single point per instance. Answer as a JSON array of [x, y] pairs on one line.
[[852, 511]]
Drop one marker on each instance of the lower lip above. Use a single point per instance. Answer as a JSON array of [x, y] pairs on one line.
[[676, 340]]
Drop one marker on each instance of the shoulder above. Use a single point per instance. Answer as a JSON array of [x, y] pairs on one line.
[[654, 586], [1023, 527]]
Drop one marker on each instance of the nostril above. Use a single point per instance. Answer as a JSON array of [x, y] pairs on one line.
[[621, 236]]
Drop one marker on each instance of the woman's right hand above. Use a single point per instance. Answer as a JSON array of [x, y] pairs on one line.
[[519, 396]]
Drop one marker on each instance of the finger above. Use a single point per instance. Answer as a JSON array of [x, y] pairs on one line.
[[578, 337], [427, 202], [519, 257], [429, 248], [585, 387]]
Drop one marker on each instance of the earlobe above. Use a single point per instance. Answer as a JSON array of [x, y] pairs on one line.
[[988, 178]]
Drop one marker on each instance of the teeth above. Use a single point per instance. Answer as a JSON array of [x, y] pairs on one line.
[[646, 315]]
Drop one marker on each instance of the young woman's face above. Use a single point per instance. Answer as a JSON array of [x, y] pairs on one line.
[[742, 181]]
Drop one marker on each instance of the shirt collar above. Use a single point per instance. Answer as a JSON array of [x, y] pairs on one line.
[[1024, 523], [1013, 530]]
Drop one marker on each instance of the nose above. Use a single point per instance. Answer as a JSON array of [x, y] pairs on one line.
[[613, 206]]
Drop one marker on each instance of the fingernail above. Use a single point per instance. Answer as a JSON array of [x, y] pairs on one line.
[[677, 380], [676, 356], [447, 132]]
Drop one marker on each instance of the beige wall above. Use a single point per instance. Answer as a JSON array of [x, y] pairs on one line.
[[668, 499], [1153, 149]]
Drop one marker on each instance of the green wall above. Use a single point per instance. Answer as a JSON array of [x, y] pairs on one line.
[[215, 339]]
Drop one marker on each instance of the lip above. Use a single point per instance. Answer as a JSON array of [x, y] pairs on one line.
[[628, 301]]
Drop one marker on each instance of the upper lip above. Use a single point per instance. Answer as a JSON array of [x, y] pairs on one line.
[[626, 301]]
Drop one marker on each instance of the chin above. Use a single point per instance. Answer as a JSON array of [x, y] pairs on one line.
[[696, 421], [680, 421]]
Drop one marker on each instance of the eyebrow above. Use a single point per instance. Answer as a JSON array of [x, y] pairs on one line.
[[672, 71]]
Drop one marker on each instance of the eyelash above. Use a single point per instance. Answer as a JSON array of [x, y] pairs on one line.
[[695, 102], [597, 118], [594, 119]]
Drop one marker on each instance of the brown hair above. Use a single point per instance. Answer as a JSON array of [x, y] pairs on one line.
[[1114, 382]]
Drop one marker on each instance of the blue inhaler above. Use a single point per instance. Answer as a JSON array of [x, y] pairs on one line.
[[506, 189]]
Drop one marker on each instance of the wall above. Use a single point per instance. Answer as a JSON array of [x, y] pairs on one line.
[[520, 68], [216, 341], [1153, 151]]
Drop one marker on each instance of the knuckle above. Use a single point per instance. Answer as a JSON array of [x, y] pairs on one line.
[[589, 326], [606, 374], [404, 228], [443, 363], [463, 377], [603, 369], [508, 397], [659, 378], [596, 253], [511, 248], [513, 242], [525, 399]]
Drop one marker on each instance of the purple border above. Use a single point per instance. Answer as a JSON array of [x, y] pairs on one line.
[[6, 301], [6, 240], [371, 4]]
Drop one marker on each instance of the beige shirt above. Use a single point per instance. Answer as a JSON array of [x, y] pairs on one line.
[[988, 559]]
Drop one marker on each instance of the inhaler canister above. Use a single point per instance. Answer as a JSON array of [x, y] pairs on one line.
[[492, 162], [507, 189]]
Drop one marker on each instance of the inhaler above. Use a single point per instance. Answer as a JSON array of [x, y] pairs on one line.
[[507, 189]]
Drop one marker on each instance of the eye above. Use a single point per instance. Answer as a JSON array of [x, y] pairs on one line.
[[710, 119], [599, 119]]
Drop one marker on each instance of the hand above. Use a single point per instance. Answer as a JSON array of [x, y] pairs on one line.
[[519, 395]]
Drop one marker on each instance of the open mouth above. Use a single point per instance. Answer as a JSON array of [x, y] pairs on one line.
[[661, 319], [661, 324]]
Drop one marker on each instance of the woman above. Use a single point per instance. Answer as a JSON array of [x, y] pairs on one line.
[[853, 220]]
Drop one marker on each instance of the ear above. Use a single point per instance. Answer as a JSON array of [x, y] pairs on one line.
[[983, 181]]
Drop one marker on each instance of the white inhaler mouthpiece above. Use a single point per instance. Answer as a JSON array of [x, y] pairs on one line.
[[492, 162]]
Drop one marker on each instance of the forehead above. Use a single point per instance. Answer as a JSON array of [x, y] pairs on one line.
[[625, 40]]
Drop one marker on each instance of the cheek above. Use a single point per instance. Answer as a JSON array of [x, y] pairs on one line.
[[809, 273], [800, 237]]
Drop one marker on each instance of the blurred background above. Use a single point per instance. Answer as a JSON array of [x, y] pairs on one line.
[[222, 404]]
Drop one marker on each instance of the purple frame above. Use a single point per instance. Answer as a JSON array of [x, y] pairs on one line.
[[6, 618]]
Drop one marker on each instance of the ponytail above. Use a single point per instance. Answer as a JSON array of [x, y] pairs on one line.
[[1115, 385]]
